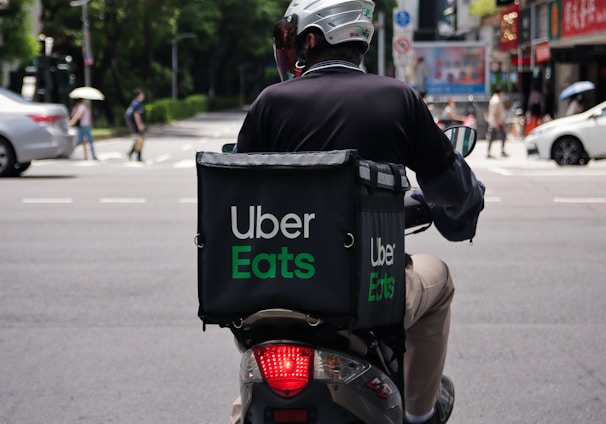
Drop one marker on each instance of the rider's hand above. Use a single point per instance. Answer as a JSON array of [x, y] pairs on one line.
[[417, 194], [451, 230]]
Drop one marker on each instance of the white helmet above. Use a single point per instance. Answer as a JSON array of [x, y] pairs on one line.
[[340, 21]]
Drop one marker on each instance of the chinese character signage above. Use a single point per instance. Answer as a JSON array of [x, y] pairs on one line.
[[542, 53], [573, 18], [581, 17], [509, 28], [555, 19], [525, 26]]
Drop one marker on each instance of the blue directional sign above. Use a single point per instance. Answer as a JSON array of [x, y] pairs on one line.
[[402, 18]]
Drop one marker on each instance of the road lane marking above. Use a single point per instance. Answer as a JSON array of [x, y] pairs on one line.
[[162, 158], [112, 155], [86, 162], [122, 200], [185, 164], [579, 200], [47, 200], [492, 199], [517, 172]]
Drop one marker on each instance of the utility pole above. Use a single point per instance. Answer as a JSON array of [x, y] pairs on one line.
[[175, 62], [86, 52]]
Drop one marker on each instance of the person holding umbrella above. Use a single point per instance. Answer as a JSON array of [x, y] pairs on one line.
[[82, 115], [82, 118], [574, 92], [575, 105]]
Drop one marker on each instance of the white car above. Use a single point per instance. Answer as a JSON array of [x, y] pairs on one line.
[[31, 131], [572, 140]]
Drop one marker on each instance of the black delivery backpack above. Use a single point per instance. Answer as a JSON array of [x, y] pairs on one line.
[[321, 233]]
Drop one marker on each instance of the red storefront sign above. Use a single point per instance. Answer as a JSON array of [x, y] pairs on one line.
[[509, 28], [542, 53], [581, 17], [520, 61]]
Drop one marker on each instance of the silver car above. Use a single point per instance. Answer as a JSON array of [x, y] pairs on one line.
[[31, 131]]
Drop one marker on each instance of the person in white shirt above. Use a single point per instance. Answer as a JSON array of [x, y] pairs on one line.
[[496, 122], [421, 75], [450, 112]]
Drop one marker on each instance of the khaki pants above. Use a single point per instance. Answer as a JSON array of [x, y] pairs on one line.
[[429, 292], [138, 143]]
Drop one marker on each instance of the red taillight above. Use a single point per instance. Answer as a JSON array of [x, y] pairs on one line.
[[285, 368], [46, 119]]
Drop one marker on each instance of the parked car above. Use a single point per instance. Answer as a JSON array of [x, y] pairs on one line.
[[572, 140], [31, 131]]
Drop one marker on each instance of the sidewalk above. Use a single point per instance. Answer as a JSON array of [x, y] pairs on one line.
[[514, 148]]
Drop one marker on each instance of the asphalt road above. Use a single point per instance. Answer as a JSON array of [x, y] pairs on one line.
[[98, 295]]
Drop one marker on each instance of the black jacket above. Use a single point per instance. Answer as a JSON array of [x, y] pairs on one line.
[[335, 105]]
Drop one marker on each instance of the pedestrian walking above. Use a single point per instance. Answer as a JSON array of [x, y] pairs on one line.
[[450, 113], [496, 122], [134, 118], [421, 76], [82, 118], [535, 109]]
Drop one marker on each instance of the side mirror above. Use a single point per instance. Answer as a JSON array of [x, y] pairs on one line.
[[228, 148], [463, 138]]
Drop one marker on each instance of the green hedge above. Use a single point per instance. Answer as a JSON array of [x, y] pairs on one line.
[[167, 110]]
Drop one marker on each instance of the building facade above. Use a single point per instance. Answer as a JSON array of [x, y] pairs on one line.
[[549, 44], [552, 44]]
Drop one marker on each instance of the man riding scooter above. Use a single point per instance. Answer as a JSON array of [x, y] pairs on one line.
[[327, 102]]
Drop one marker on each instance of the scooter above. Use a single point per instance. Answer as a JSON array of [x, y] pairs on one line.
[[296, 368]]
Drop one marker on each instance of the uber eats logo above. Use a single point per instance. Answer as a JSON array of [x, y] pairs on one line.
[[382, 286], [280, 262]]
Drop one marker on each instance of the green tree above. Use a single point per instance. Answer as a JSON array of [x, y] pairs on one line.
[[131, 43], [18, 42], [236, 58]]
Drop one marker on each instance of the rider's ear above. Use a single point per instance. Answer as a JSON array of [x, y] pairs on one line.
[[310, 41]]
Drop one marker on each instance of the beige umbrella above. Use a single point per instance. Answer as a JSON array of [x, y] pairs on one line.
[[88, 93]]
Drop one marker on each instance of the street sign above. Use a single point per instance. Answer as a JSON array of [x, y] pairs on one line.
[[402, 18], [402, 44]]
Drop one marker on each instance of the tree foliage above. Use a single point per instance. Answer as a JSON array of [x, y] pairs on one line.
[[131, 43], [18, 42]]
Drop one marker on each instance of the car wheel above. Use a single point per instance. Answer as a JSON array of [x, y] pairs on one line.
[[21, 167], [584, 158], [568, 151], [7, 158]]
